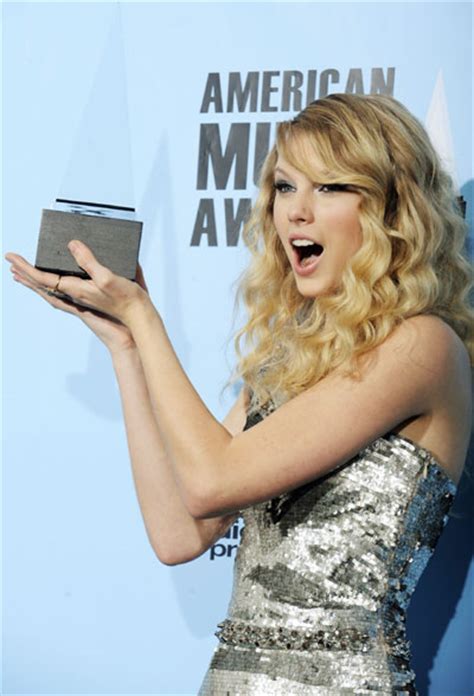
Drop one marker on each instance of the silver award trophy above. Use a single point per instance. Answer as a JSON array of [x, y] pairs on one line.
[[110, 231]]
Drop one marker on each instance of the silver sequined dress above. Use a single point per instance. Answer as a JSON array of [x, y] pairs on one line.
[[324, 575]]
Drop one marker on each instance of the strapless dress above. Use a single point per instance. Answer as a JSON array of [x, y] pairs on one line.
[[324, 575]]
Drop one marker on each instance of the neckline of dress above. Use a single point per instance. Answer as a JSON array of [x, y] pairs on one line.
[[430, 459]]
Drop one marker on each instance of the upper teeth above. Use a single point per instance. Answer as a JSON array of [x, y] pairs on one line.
[[302, 242]]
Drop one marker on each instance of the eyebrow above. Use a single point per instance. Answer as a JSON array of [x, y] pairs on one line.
[[323, 173]]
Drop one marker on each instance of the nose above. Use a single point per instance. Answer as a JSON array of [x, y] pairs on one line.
[[300, 209]]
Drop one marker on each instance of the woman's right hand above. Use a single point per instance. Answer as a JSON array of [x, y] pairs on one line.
[[109, 330]]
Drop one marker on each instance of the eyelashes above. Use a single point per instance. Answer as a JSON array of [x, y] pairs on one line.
[[334, 187], [285, 187], [282, 186]]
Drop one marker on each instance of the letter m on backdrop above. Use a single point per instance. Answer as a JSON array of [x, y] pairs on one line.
[[236, 155]]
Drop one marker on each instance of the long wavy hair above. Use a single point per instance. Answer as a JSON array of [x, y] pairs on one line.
[[412, 258]]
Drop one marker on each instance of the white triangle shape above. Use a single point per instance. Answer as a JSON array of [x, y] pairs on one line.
[[439, 130]]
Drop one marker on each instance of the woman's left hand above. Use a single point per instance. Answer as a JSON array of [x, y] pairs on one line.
[[105, 291]]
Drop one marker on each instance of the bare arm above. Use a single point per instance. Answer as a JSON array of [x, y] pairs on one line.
[[306, 437], [176, 536]]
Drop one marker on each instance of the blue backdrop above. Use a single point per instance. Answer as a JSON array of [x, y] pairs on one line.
[[117, 102]]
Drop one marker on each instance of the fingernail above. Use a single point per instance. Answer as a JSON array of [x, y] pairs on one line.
[[72, 245]]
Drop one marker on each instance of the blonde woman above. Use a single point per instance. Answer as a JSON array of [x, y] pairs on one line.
[[345, 447]]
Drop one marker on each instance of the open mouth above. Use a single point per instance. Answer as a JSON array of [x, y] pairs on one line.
[[306, 251]]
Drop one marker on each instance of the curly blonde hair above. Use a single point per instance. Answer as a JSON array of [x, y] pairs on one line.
[[412, 259]]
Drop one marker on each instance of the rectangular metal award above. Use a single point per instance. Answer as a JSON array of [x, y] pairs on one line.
[[110, 231]]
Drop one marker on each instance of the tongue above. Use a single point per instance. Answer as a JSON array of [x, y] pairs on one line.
[[307, 260]]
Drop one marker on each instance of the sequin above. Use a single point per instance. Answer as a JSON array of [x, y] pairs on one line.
[[324, 575]]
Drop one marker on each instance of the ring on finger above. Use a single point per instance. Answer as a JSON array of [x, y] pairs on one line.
[[53, 291], [56, 287]]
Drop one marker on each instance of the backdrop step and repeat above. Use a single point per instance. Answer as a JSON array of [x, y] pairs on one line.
[[170, 108]]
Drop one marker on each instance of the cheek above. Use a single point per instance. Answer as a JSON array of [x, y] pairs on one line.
[[348, 224], [278, 222], [356, 235], [277, 216]]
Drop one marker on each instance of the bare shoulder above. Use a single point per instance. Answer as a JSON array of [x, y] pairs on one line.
[[436, 347], [444, 426], [430, 346], [425, 355], [429, 341]]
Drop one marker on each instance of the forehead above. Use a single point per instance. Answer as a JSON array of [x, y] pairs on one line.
[[313, 167], [305, 152]]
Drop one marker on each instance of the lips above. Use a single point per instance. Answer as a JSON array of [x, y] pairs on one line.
[[306, 254]]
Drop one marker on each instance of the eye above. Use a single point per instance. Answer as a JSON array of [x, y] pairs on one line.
[[330, 188], [283, 186]]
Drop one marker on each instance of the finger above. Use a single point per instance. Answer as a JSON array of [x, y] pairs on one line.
[[55, 301], [69, 286], [11, 256], [141, 278], [44, 292], [87, 261], [41, 278]]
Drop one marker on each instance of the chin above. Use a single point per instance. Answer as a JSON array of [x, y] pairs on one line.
[[309, 290], [308, 294]]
